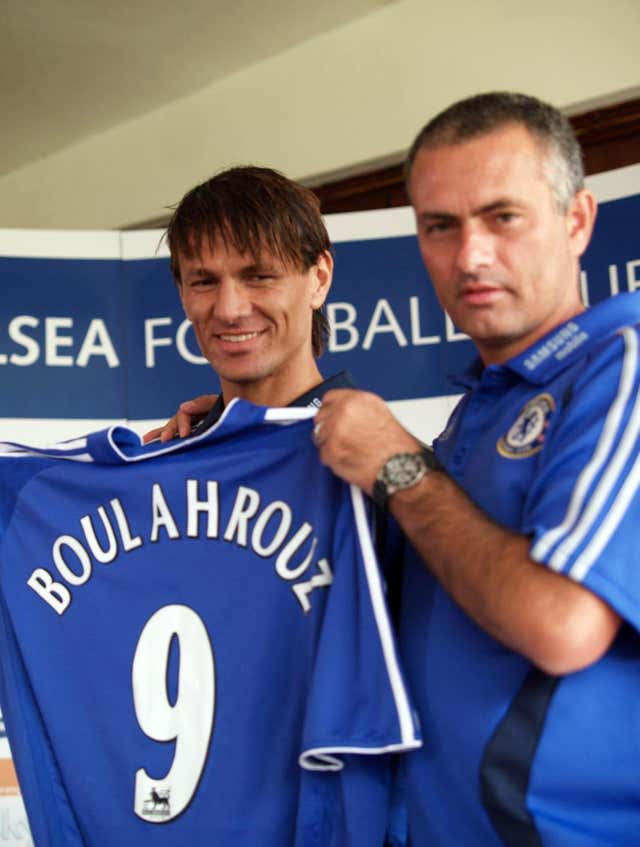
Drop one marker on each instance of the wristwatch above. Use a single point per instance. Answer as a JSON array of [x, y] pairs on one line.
[[401, 471]]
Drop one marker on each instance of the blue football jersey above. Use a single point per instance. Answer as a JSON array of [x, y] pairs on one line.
[[195, 643]]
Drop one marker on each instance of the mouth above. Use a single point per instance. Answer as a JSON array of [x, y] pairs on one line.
[[480, 295], [237, 337], [238, 343]]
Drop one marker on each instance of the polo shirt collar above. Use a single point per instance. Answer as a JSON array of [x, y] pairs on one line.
[[542, 361]]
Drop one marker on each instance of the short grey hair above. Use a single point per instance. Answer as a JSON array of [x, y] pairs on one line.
[[483, 113]]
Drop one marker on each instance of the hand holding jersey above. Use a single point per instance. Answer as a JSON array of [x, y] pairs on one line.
[[357, 431], [486, 569]]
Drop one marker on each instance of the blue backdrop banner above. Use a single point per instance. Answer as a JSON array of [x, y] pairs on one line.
[[91, 327]]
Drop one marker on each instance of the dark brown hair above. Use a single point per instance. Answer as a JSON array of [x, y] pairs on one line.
[[253, 210]]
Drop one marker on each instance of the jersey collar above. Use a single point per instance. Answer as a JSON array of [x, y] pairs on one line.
[[569, 341], [313, 397]]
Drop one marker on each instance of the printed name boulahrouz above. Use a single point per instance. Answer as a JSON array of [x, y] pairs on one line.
[[268, 530]]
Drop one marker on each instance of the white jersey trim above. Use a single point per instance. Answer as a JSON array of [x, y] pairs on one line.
[[325, 758], [62, 450], [321, 758], [407, 728], [585, 561], [169, 446], [290, 414], [275, 415]]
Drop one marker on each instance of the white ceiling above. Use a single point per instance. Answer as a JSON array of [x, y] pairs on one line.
[[72, 68]]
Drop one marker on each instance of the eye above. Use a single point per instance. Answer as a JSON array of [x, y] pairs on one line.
[[507, 217], [202, 282], [261, 276], [436, 227]]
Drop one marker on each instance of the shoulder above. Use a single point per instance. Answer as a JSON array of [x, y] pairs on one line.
[[611, 367]]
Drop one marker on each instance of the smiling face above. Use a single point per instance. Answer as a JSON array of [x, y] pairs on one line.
[[252, 319], [502, 257]]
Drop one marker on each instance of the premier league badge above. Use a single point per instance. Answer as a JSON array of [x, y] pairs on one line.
[[527, 434]]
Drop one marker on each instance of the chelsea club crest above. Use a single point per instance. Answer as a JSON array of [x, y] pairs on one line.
[[526, 436]]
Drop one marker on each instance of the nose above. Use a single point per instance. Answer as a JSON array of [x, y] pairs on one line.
[[232, 301], [475, 250]]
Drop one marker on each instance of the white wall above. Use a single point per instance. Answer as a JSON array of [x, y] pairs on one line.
[[345, 99]]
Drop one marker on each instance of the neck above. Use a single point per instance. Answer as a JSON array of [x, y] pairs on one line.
[[505, 349], [272, 391]]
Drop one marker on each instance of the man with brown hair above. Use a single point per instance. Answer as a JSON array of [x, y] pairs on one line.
[[252, 261], [252, 637]]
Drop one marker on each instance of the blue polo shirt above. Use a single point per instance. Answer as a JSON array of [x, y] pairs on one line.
[[546, 445]]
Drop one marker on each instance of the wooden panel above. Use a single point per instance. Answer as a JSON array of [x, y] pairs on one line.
[[610, 137]]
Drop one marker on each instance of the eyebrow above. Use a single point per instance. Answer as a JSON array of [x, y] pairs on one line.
[[495, 205], [202, 272], [197, 273]]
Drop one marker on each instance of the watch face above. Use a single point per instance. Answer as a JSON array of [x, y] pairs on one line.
[[401, 470]]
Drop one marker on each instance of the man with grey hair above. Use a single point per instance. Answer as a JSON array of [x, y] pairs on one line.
[[520, 615], [481, 114]]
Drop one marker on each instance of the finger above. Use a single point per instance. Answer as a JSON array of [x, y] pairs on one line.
[[316, 433], [337, 394], [152, 435], [192, 412], [199, 405], [181, 424], [184, 423], [169, 430]]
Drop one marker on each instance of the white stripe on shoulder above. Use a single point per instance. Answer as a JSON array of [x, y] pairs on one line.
[[6, 447], [43, 454], [573, 527], [72, 444], [585, 561], [61, 450], [407, 730], [610, 481]]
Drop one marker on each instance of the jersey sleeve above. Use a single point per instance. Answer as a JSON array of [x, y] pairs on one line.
[[358, 701], [583, 510]]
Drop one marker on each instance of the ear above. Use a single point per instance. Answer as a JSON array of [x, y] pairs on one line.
[[321, 280], [580, 218]]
